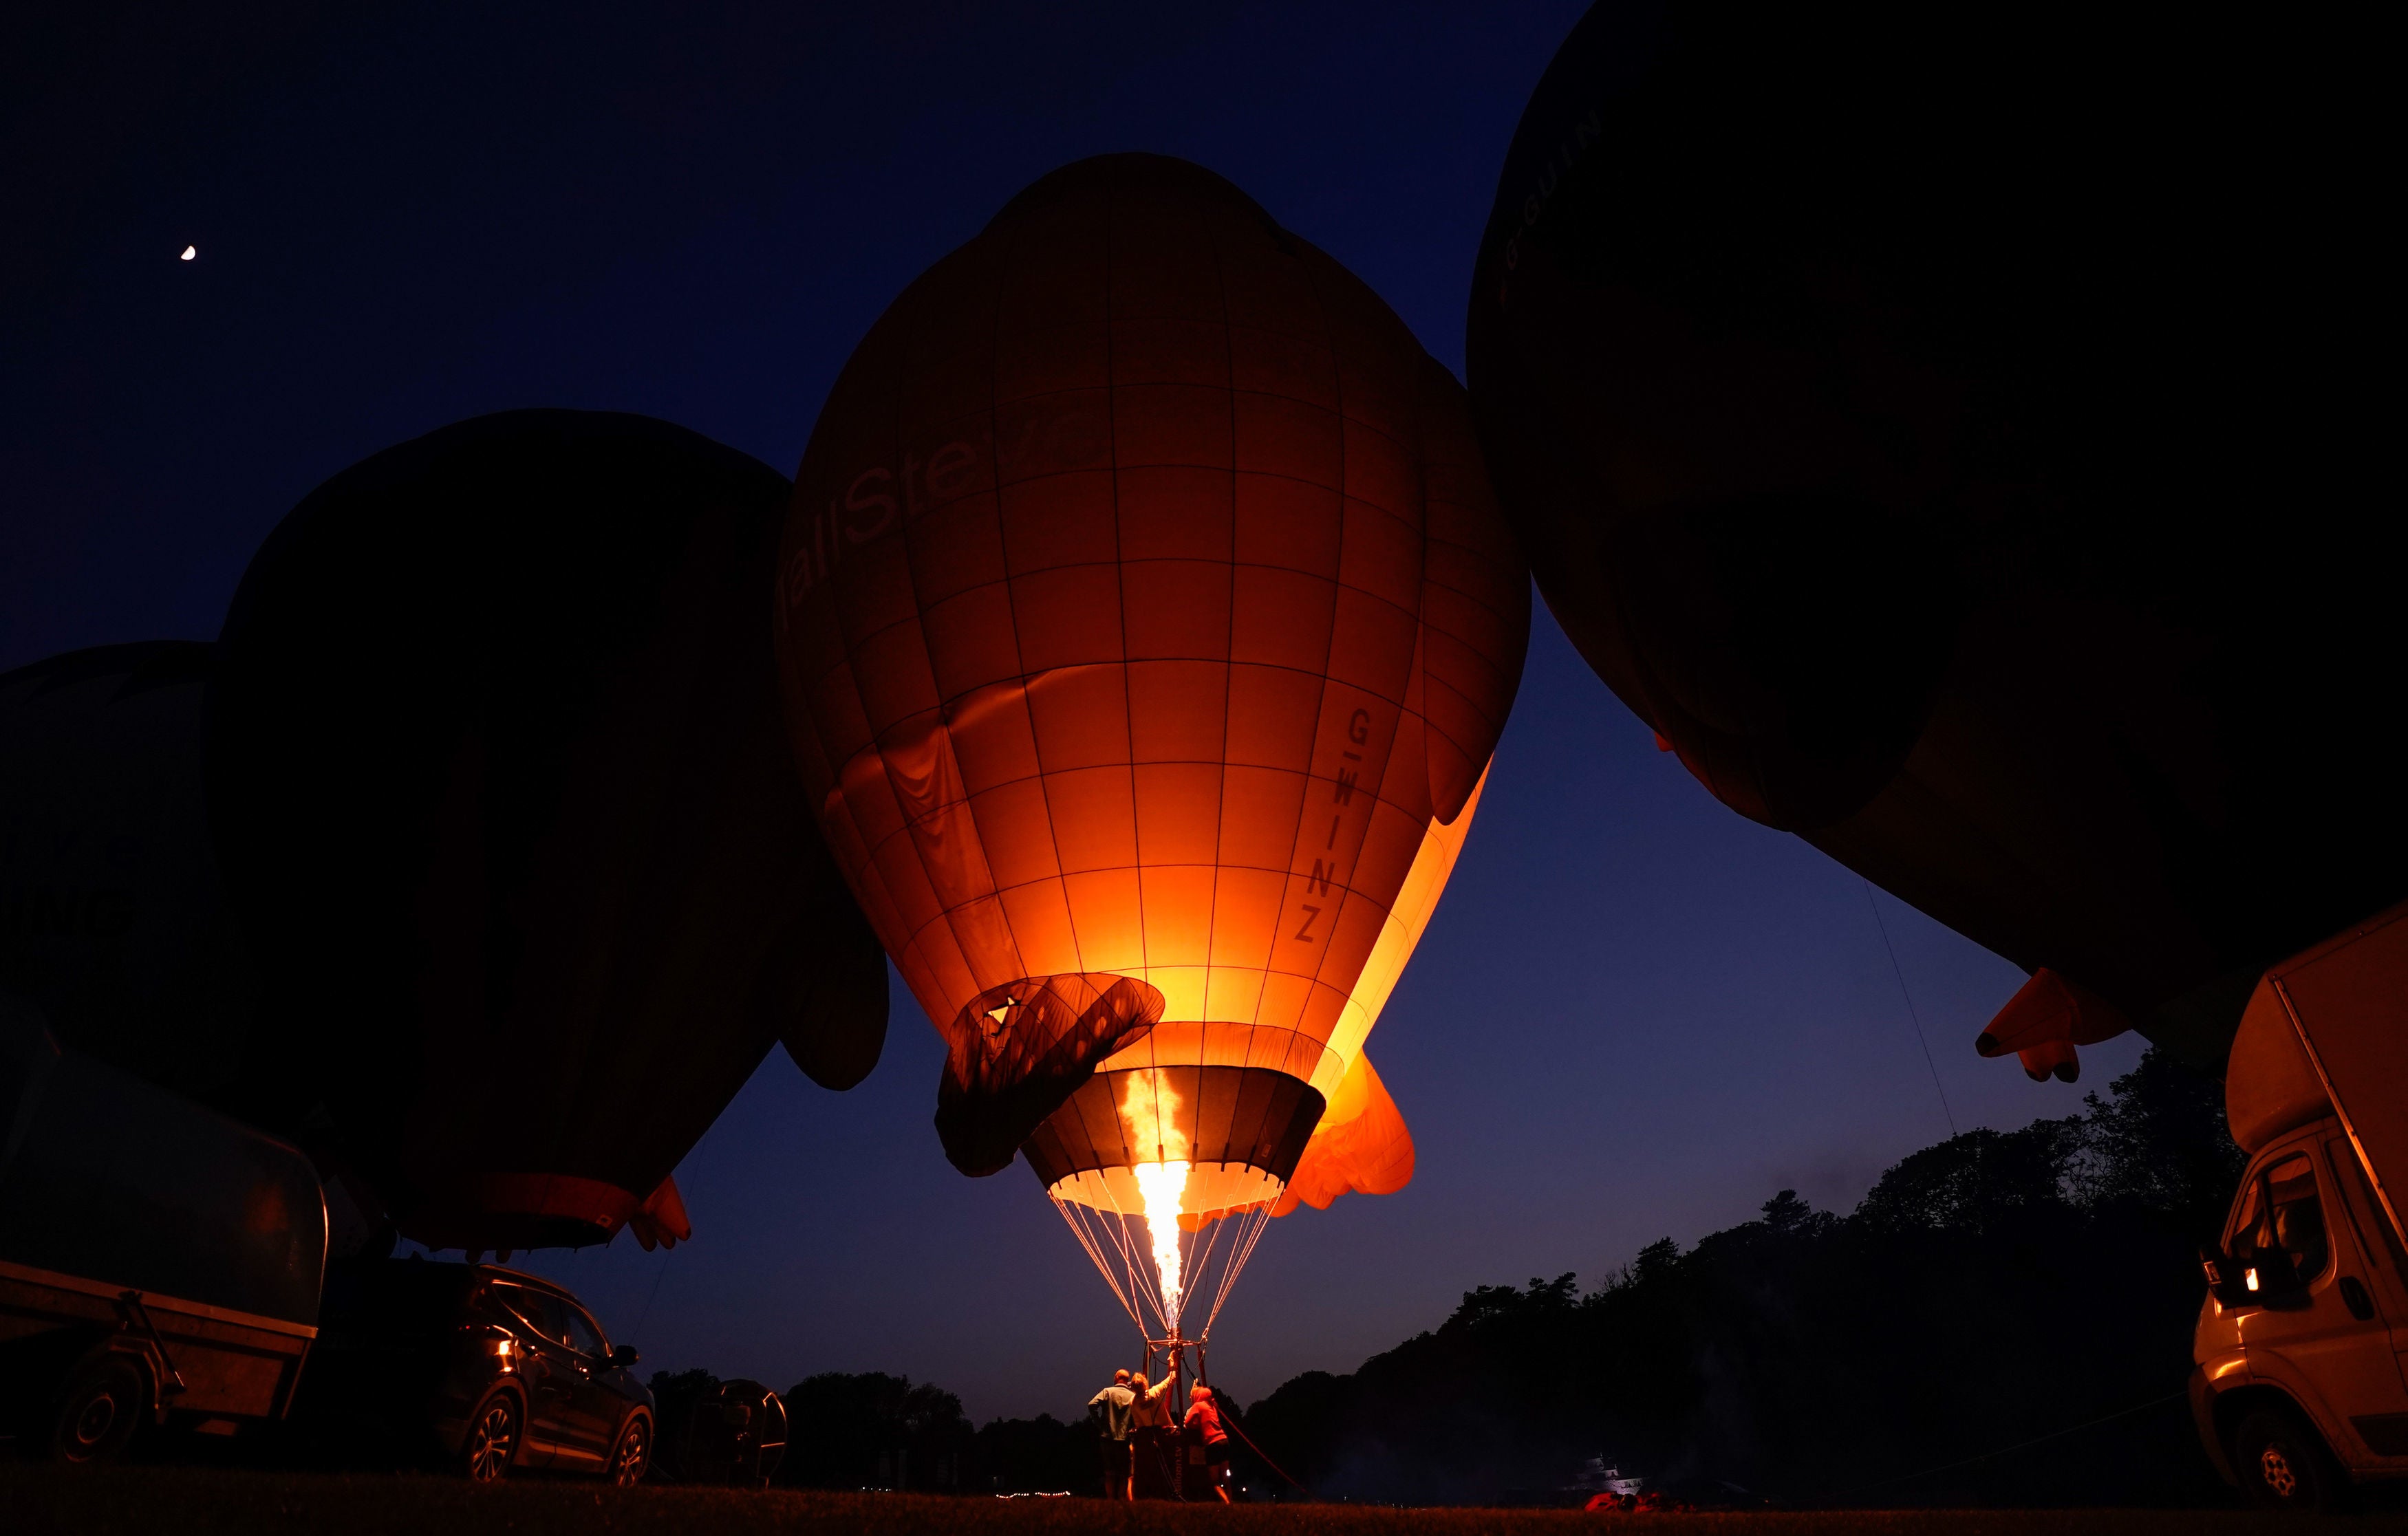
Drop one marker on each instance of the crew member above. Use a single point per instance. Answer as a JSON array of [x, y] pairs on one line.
[[1152, 1443], [1208, 1442], [1109, 1410]]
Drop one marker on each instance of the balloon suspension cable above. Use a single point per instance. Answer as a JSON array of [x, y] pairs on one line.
[[1117, 1242], [1106, 1239], [1249, 1228], [1078, 1230], [1128, 1232]]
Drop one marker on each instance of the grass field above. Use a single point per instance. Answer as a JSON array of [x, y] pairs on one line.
[[146, 1501]]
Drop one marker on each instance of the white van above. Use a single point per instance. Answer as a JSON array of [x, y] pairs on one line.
[[2299, 1389]]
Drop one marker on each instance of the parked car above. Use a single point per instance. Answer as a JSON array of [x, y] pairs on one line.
[[482, 1368], [159, 1263]]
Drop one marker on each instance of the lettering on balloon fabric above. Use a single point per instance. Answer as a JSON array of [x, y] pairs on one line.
[[883, 498], [1342, 786], [1566, 154]]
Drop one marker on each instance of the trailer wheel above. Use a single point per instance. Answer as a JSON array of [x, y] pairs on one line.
[[2284, 1465], [99, 1410]]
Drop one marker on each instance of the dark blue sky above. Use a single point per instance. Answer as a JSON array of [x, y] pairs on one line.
[[1636, 1014]]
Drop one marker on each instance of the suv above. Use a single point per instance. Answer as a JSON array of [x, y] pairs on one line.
[[486, 1368]]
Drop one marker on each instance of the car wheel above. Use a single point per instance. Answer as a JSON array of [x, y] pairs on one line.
[[2284, 1465], [633, 1453], [99, 1410], [494, 1435]]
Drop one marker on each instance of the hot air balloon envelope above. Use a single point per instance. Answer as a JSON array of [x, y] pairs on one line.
[[505, 800], [1922, 418], [1143, 608]]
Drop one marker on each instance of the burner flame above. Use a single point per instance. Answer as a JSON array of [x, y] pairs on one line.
[[1162, 1184], [1151, 1110]]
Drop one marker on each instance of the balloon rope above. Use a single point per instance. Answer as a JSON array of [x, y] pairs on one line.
[[1091, 1232], [1124, 1244], [1133, 1250], [1254, 1233], [1231, 1263], [1088, 1240], [1241, 1250], [1233, 1258], [1230, 1422], [1122, 1235], [1097, 1256], [2019, 1445], [1116, 1234], [1201, 1243], [1900, 972], [1129, 1287], [1245, 1254], [1109, 1226]]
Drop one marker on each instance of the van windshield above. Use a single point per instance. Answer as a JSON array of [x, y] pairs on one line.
[[2242, 1235], [2280, 1213], [2298, 1216]]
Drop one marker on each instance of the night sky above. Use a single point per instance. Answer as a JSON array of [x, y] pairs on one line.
[[1636, 1014]]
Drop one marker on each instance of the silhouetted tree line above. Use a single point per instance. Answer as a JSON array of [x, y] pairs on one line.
[[1988, 1290], [874, 1430]]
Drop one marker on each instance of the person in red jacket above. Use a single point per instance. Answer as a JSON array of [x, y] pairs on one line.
[[1208, 1442]]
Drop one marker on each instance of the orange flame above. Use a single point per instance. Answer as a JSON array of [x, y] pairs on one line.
[[1150, 1110]]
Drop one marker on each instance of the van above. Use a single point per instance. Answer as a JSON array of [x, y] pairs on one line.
[[2299, 1388]]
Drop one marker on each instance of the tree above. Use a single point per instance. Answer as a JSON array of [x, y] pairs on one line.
[[1973, 1181], [873, 1430], [1992, 1289], [1042, 1454], [2159, 1148]]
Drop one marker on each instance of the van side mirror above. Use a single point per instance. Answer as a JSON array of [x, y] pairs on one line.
[[2272, 1278], [2260, 1277], [2228, 1278]]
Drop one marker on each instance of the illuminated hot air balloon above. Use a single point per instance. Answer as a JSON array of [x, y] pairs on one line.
[[506, 806], [1147, 629], [1922, 418]]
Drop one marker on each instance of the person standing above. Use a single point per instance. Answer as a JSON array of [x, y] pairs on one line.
[[1208, 1439], [1110, 1410], [1151, 1442]]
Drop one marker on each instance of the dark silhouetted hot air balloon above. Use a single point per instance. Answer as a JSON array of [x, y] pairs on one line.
[[507, 807], [112, 919], [1928, 419], [1148, 626]]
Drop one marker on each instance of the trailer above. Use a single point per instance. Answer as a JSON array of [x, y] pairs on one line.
[[160, 1264]]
